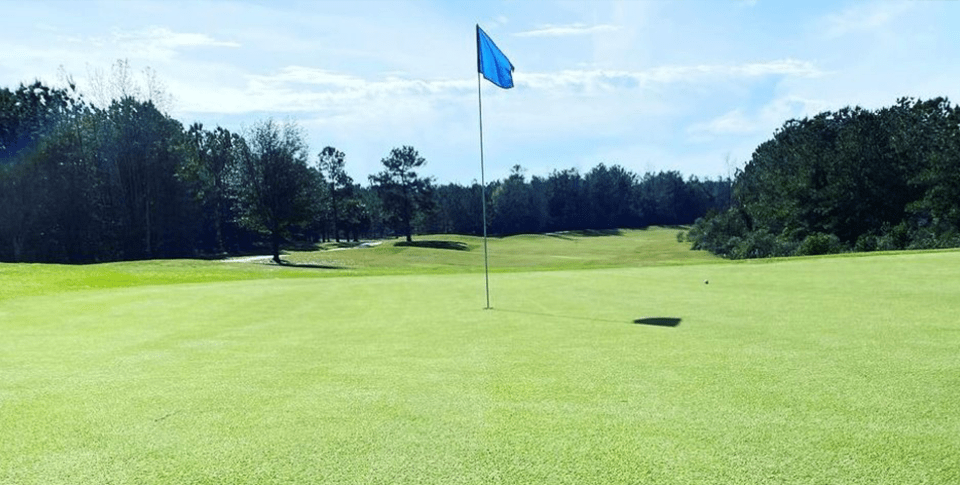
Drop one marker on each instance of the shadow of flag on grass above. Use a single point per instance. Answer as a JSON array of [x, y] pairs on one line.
[[658, 321]]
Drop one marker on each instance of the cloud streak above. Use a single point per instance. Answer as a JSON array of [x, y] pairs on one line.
[[762, 121], [164, 37], [299, 88], [606, 80], [567, 30], [864, 18], [154, 43]]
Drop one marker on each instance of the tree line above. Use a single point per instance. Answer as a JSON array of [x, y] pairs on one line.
[[122, 180], [566, 200], [846, 180]]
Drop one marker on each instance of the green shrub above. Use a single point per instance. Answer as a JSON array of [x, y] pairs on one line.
[[923, 238], [757, 244], [865, 243], [894, 238], [719, 233], [819, 243]]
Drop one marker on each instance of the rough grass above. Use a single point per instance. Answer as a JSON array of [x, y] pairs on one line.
[[810, 370]]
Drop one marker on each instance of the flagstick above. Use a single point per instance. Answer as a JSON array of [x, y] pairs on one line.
[[483, 196]]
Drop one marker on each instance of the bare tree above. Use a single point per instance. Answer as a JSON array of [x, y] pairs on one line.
[[123, 83]]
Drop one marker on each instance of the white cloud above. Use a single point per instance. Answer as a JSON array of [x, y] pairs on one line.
[[760, 122], [154, 43], [608, 80], [566, 30], [732, 122], [669, 84], [498, 21], [864, 18], [295, 89], [164, 37]]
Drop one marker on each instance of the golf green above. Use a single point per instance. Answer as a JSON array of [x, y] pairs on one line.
[[809, 370]]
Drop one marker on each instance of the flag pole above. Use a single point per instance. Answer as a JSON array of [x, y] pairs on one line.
[[499, 70], [483, 192]]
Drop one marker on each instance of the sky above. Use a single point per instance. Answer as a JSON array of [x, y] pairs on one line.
[[691, 86]]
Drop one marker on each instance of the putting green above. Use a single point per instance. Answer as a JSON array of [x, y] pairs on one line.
[[811, 370]]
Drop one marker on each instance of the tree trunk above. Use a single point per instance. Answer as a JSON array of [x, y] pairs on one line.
[[149, 247], [18, 248], [333, 199], [275, 246], [407, 213], [219, 247]]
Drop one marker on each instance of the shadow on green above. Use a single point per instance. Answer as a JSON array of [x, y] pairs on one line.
[[570, 235], [655, 321], [434, 244], [658, 321], [288, 264]]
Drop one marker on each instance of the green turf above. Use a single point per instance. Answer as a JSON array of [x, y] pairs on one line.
[[810, 370], [573, 250], [655, 246]]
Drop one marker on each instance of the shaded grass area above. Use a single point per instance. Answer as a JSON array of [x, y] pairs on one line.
[[434, 244], [814, 370]]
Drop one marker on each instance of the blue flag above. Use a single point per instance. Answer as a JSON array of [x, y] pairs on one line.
[[492, 63]]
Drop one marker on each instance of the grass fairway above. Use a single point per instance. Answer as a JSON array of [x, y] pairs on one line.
[[811, 370]]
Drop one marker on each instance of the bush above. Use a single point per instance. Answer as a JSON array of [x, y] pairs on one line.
[[866, 243], [719, 233], [893, 238], [923, 238], [757, 244], [950, 239], [819, 243]]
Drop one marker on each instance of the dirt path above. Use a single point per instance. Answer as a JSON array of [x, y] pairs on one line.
[[250, 259], [246, 259]]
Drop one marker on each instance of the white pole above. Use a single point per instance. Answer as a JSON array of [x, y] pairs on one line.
[[483, 195]]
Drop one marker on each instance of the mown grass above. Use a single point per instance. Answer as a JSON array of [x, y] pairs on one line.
[[653, 246], [528, 252], [810, 370]]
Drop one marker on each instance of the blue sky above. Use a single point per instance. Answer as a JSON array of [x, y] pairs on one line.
[[692, 86]]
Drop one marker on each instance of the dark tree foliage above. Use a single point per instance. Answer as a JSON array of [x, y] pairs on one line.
[[274, 182], [140, 150], [211, 168], [346, 211], [847, 180], [517, 206], [610, 198], [122, 180], [458, 210], [31, 117], [84, 184], [566, 197], [404, 194], [604, 198]]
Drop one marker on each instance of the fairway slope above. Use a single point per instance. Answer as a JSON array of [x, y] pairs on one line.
[[527, 252]]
